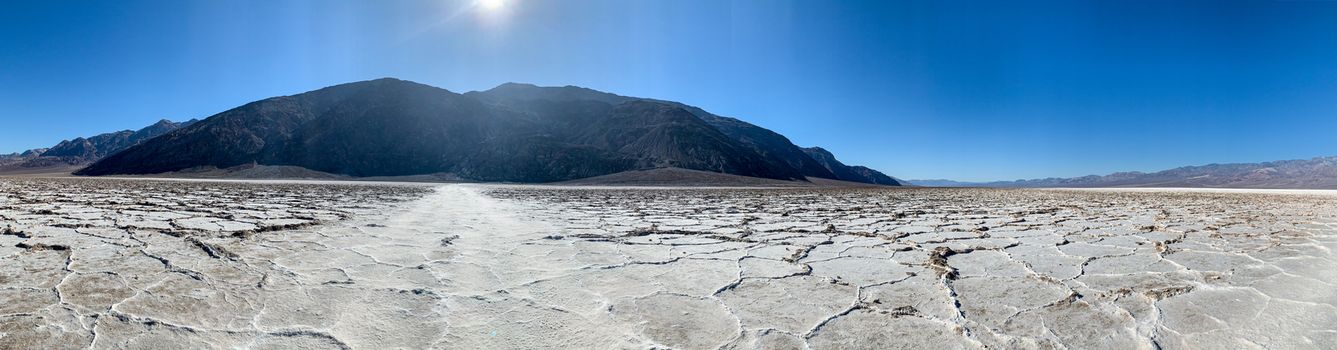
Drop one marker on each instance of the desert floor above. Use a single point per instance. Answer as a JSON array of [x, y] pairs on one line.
[[118, 263]]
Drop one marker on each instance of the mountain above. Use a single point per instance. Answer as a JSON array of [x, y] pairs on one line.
[[945, 183], [83, 151], [1316, 173], [849, 173], [514, 133], [775, 150], [18, 158]]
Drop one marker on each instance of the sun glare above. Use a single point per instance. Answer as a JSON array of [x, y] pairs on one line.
[[492, 5]]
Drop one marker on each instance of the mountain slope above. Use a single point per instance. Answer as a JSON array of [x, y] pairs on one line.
[[577, 104], [849, 173], [1315, 173], [82, 151], [94, 148], [775, 150], [515, 132], [21, 156], [662, 136]]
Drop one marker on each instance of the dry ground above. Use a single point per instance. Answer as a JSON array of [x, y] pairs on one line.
[[98, 263]]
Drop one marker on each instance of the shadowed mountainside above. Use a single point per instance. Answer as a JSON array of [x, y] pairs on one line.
[[775, 150], [514, 132]]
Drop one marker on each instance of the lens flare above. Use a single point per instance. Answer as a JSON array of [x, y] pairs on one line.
[[492, 5]]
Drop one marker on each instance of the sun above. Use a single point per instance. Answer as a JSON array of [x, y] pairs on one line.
[[492, 5]]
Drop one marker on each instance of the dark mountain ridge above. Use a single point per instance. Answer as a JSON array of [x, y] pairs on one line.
[[514, 133]]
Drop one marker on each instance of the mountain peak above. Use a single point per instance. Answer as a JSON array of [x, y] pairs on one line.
[[160, 124], [395, 81], [377, 83], [514, 85], [819, 150], [529, 86], [386, 80], [530, 92]]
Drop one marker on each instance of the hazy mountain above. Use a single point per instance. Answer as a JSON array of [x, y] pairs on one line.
[[514, 132], [945, 183], [1316, 173], [82, 151], [89, 149], [20, 157], [849, 173]]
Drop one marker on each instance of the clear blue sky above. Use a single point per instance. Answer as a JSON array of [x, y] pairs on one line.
[[969, 90]]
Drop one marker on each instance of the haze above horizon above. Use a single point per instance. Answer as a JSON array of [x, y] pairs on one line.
[[959, 90]]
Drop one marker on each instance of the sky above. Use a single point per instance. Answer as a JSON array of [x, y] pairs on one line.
[[965, 90]]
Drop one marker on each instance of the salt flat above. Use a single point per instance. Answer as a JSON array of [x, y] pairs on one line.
[[107, 263]]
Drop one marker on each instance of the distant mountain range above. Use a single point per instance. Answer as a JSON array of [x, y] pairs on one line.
[[84, 151], [513, 133], [1316, 173]]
